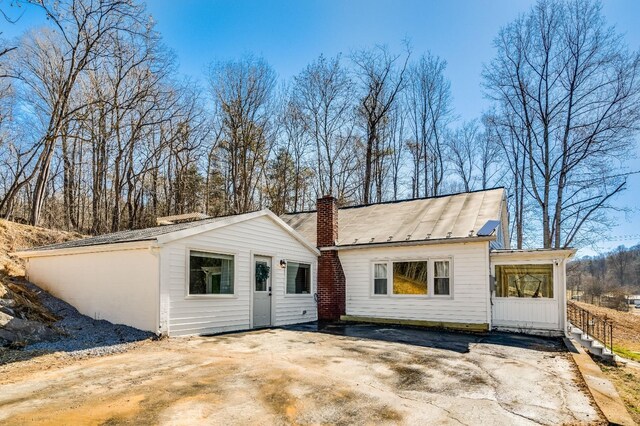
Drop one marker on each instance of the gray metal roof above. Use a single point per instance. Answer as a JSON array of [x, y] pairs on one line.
[[145, 234], [452, 216], [444, 217]]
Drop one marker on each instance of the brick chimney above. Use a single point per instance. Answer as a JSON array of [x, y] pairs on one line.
[[331, 280]]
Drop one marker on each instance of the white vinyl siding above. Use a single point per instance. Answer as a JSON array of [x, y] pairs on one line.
[[469, 284], [209, 314]]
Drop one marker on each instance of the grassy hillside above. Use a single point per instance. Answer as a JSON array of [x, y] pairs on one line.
[[626, 329]]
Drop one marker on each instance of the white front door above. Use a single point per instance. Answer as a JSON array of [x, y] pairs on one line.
[[262, 292]]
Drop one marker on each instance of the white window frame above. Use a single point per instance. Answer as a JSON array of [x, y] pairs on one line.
[[373, 278], [430, 276], [432, 280], [311, 275], [210, 250], [555, 275]]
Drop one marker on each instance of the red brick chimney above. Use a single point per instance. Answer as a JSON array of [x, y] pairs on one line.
[[331, 280]]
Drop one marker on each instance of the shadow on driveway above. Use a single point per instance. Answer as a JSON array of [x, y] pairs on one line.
[[431, 338]]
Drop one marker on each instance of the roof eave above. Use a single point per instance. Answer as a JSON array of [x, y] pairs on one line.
[[566, 253], [94, 248], [411, 243]]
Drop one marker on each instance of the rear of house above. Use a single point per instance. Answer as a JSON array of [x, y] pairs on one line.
[[440, 261]]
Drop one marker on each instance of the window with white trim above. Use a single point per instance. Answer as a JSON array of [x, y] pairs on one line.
[[379, 278], [298, 278], [210, 273], [526, 281], [441, 278]]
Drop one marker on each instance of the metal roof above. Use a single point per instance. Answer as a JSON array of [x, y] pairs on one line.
[[444, 217], [437, 218]]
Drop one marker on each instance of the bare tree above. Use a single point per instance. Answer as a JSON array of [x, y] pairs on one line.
[[463, 146], [295, 141], [568, 92], [382, 77], [429, 104], [323, 95], [52, 63], [244, 91]]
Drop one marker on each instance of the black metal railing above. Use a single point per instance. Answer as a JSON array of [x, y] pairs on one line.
[[595, 326]]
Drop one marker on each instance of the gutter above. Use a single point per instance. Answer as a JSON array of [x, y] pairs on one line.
[[133, 245], [409, 243], [533, 253]]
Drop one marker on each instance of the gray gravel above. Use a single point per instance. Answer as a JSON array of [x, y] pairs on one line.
[[82, 335]]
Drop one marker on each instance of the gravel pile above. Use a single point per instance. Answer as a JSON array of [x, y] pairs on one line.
[[82, 335]]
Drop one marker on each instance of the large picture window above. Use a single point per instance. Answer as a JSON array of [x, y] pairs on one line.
[[210, 273], [298, 278], [410, 277], [535, 281]]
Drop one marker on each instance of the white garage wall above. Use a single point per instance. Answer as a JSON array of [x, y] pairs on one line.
[[118, 286], [214, 314], [470, 301]]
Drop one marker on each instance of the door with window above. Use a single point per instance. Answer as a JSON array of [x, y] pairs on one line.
[[262, 292]]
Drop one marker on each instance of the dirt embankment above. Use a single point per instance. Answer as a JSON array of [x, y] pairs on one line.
[[15, 236], [23, 318]]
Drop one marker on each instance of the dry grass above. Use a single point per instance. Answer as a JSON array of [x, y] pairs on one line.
[[403, 285], [626, 379], [15, 236], [626, 329]]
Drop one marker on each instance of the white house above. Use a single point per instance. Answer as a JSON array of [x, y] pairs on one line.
[[441, 261], [209, 276]]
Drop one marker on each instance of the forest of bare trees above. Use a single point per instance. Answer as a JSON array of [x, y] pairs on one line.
[[99, 132], [606, 279]]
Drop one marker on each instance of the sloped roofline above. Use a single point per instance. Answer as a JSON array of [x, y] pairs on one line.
[[170, 236], [358, 206], [184, 233]]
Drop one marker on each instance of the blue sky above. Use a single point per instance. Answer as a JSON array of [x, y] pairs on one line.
[[290, 34]]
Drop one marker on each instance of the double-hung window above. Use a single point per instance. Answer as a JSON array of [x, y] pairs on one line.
[[380, 278], [441, 278]]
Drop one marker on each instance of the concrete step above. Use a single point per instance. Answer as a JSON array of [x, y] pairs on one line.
[[592, 345], [596, 350]]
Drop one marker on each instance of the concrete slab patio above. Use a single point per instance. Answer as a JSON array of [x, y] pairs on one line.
[[314, 374]]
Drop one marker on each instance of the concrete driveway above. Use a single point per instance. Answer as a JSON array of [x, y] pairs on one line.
[[306, 375]]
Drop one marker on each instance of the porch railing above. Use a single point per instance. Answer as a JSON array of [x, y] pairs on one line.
[[594, 326]]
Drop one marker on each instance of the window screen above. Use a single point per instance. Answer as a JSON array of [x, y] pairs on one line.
[[210, 273], [298, 278], [380, 278], [410, 277], [524, 281]]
